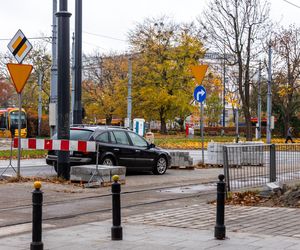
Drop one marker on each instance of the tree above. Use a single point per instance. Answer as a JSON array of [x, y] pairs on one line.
[[286, 63], [40, 58], [7, 92], [213, 105], [8, 96], [163, 85], [104, 91], [237, 27], [41, 61]]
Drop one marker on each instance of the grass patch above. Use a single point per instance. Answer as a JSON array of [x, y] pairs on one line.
[[182, 142], [26, 154]]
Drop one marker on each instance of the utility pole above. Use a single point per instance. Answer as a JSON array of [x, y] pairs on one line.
[[63, 86], [129, 98], [224, 85], [259, 103], [53, 93], [269, 97], [237, 125], [77, 112], [73, 80], [40, 103]]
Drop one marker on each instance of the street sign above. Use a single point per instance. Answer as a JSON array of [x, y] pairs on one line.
[[19, 46], [199, 72], [19, 74], [200, 94]]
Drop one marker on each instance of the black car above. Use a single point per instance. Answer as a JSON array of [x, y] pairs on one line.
[[117, 146]]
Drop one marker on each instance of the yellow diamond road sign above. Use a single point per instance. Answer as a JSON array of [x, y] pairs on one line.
[[19, 46]]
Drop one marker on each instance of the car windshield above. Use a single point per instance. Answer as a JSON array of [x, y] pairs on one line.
[[78, 135]]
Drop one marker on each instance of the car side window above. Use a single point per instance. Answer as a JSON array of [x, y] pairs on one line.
[[137, 140], [112, 137], [121, 137], [102, 137]]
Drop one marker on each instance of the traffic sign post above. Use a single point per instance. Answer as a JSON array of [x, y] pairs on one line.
[[19, 46], [200, 96], [202, 130], [19, 74]]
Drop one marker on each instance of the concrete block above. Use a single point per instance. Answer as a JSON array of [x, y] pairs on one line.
[[181, 158], [102, 174]]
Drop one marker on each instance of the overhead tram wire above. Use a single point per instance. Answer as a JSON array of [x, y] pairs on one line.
[[49, 37], [295, 5], [31, 38], [104, 36], [86, 32]]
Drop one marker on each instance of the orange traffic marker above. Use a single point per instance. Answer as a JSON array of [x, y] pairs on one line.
[[19, 74]]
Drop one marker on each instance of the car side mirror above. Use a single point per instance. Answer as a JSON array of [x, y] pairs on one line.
[[151, 145]]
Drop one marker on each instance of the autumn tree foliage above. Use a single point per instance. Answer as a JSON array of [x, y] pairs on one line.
[[40, 58], [286, 95], [162, 80], [7, 93], [105, 87], [214, 105]]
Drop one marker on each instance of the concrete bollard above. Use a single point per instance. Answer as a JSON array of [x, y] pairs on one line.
[[220, 229], [116, 230], [37, 203]]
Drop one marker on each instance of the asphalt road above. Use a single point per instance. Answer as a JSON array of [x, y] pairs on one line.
[[64, 202], [30, 167]]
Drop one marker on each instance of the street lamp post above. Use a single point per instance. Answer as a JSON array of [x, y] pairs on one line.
[[129, 98], [269, 97], [63, 87], [224, 85], [259, 103]]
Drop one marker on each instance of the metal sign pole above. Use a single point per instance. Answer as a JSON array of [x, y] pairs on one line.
[[19, 135], [201, 124]]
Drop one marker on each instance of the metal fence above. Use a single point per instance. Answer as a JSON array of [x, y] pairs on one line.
[[256, 165]]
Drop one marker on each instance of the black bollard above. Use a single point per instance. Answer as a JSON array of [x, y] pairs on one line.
[[220, 229], [116, 230], [37, 203]]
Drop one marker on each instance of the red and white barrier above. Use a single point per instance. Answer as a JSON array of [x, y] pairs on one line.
[[62, 145]]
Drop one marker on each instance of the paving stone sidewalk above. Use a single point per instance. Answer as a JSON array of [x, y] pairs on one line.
[[96, 235], [256, 220]]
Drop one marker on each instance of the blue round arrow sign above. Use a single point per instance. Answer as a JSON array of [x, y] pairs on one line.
[[200, 94]]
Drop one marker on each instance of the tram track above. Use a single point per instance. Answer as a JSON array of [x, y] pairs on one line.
[[101, 196], [130, 200]]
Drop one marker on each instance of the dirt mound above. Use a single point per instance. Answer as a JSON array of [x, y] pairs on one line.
[[290, 198]]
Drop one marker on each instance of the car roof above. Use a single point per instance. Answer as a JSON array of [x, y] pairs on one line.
[[94, 128]]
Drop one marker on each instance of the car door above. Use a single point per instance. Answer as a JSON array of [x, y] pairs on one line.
[[105, 147], [144, 156], [122, 149]]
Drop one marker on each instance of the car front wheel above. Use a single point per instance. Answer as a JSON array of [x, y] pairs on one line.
[[160, 166], [107, 161]]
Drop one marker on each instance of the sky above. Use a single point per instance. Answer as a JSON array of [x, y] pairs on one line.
[[106, 23]]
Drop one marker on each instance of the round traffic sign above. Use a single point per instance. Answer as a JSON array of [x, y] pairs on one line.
[[200, 94]]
